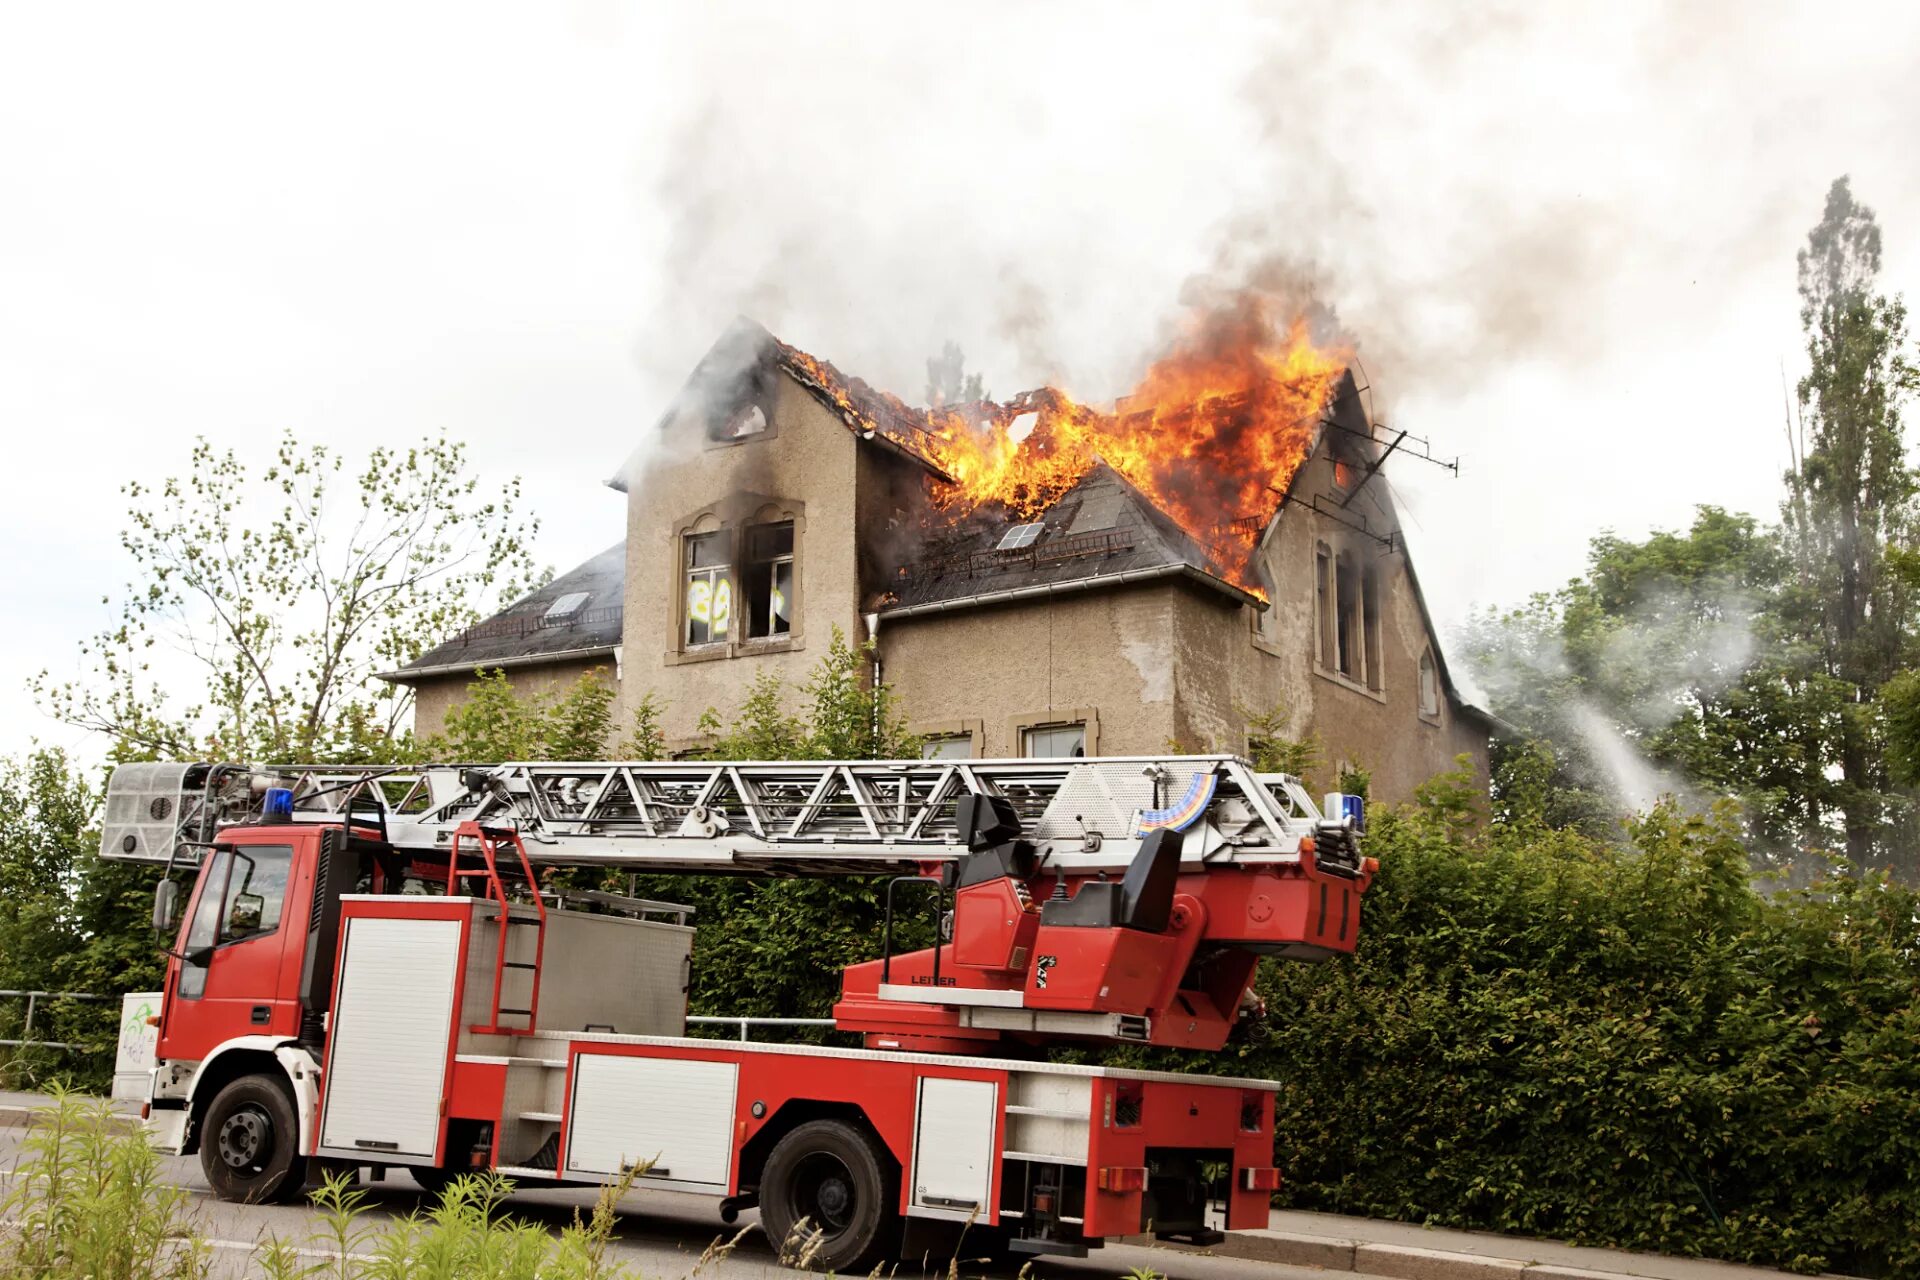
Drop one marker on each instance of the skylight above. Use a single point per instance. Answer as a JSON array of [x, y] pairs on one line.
[[1021, 535], [566, 606]]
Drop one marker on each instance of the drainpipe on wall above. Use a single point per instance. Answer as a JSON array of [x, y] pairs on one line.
[[873, 642]]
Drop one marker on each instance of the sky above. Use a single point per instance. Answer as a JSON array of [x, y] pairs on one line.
[[1562, 238]]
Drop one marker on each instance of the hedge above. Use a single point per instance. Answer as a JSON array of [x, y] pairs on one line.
[[1616, 1044]]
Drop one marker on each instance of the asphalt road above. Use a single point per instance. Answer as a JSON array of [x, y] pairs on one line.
[[661, 1235]]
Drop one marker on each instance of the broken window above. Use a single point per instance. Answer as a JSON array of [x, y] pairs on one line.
[[1054, 741], [1323, 605], [947, 746], [1429, 685], [1347, 644], [768, 580], [709, 596], [1346, 604], [1370, 624]]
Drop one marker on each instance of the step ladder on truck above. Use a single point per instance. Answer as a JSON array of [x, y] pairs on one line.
[[368, 971]]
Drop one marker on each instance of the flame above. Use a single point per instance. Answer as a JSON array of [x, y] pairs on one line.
[[1212, 435]]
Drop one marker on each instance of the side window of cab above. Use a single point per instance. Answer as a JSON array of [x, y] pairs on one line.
[[242, 897]]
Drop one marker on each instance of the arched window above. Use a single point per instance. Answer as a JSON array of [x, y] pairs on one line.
[[1429, 684]]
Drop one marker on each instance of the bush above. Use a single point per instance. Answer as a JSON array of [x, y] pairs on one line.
[[86, 1202], [1611, 1043]]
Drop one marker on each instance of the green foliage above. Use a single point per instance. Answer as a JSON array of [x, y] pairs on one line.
[[285, 614], [647, 738], [72, 923], [87, 1202], [1610, 1043], [1739, 659], [498, 722], [465, 1235], [1900, 703], [1272, 751]]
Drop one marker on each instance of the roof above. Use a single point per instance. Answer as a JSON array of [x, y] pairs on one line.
[[1103, 532], [578, 614], [740, 359]]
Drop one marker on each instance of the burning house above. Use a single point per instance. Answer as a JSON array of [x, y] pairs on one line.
[[1038, 577]]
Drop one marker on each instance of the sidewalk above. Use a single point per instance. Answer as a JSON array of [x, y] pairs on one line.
[[1403, 1251]]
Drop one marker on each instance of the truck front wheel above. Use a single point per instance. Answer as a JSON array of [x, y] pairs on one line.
[[250, 1142], [828, 1198]]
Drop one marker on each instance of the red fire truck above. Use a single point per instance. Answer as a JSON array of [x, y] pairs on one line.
[[370, 971]]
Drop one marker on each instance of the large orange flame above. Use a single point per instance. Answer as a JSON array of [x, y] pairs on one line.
[[1212, 435]]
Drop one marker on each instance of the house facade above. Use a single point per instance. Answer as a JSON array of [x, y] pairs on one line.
[[784, 500]]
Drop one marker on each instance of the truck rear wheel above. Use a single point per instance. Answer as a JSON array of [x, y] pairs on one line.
[[250, 1142], [828, 1198]]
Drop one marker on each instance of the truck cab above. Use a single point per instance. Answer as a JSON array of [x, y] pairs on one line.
[[249, 977]]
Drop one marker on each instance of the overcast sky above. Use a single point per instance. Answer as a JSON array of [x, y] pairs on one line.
[[1563, 243]]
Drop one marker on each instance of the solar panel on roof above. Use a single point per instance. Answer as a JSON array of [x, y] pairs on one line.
[[1021, 535]]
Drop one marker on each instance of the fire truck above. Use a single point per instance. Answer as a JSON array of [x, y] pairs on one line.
[[378, 968]]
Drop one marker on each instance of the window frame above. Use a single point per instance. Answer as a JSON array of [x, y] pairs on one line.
[[1427, 697], [718, 576], [1028, 733], [1348, 622], [751, 561], [192, 984]]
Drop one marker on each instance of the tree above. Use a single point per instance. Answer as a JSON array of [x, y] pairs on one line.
[[72, 922], [948, 382], [1850, 503], [1741, 659], [496, 722], [283, 616]]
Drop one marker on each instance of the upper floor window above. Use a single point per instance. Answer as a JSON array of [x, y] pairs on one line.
[[709, 589], [768, 580], [1054, 741], [1346, 598]]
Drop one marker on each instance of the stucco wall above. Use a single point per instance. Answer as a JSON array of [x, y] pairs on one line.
[[434, 697], [1108, 652], [1273, 662], [803, 470]]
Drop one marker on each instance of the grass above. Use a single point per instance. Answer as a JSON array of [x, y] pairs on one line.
[[86, 1201]]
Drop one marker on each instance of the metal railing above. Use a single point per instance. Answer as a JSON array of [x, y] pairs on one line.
[[745, 1023], [25, 1040]]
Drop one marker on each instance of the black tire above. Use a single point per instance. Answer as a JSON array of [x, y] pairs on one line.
[[250, 1142], [837, 1179]]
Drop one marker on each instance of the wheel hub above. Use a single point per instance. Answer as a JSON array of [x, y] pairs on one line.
[[246, 1138], [835, 1198]]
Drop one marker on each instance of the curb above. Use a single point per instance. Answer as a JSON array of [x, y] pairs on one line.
[[1389, 1261], [13, 1117]]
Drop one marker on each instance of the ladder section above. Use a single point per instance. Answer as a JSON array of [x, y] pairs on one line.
[[838, 817], [511, 954]]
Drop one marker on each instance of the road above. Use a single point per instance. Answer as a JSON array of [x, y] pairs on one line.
[[660, 1235]]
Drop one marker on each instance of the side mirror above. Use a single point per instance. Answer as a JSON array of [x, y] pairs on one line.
[[248, 909], [166, 906]]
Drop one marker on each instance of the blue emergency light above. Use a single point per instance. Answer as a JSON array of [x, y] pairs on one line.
[[1353, 808], [277, 805]]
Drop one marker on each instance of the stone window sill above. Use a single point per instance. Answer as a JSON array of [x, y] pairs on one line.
[[1327, 673]]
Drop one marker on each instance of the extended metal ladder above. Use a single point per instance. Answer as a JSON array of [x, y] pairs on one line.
[[768, 817]]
